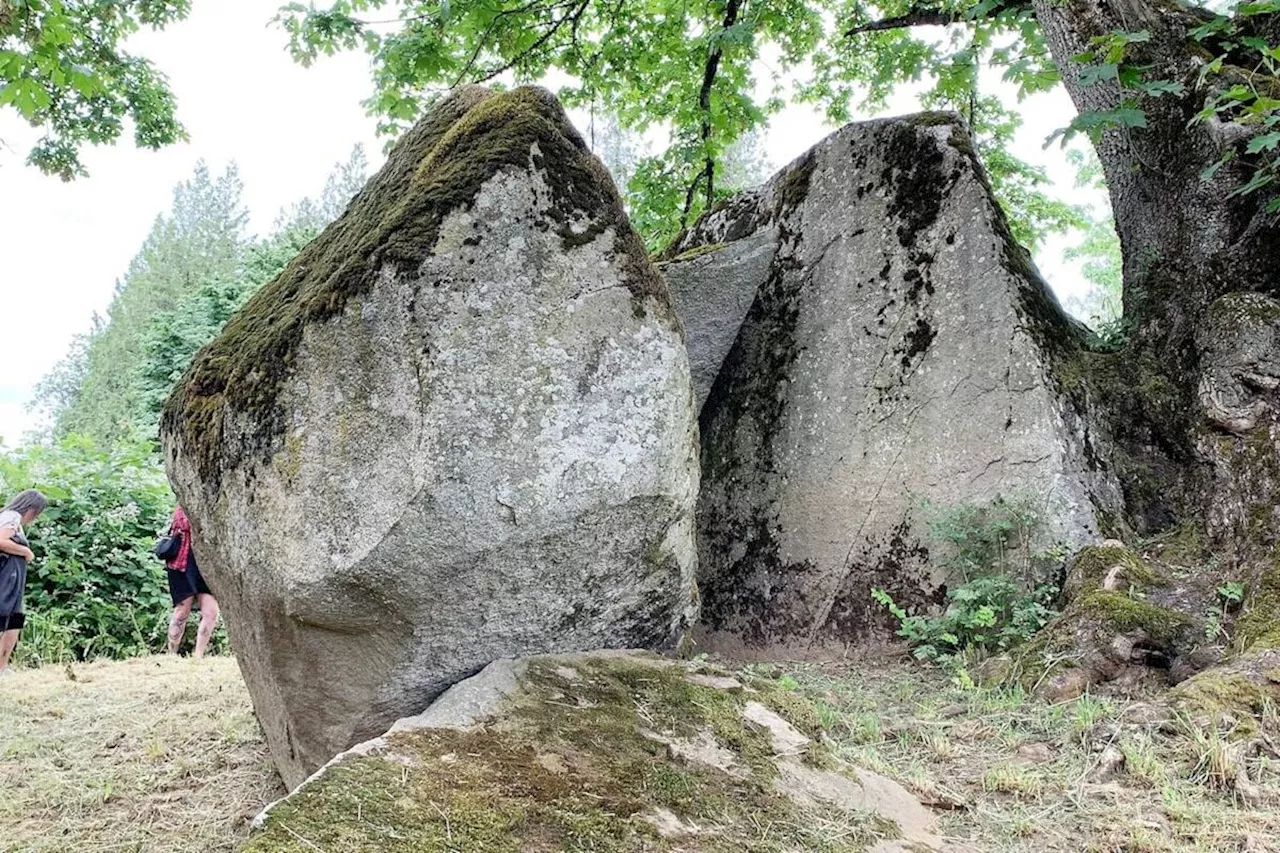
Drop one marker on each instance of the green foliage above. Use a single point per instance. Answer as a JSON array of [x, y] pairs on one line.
[[1102, 265], [1239, 82], [992, 538], [1230, 597], [193, 272], [990, 613], [999, 603], [708, 73], [63, 70], [94, 588]]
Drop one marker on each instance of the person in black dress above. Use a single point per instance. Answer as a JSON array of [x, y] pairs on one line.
[[15, 555], [187, 587]]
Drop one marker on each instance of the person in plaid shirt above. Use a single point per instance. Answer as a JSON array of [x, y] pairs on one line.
[[187, 587]]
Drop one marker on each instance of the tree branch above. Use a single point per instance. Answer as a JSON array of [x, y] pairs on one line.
[[925, 16], [704, 103]]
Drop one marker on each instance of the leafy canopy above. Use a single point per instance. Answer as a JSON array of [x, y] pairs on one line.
[[708, 71], [65, 72]]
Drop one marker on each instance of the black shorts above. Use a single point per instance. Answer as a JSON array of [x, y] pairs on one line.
[[13, 622], [183, 585]]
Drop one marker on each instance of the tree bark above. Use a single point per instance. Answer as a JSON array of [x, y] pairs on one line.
[[1187, 243]]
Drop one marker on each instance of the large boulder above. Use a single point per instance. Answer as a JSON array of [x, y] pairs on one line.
[[869, 341], [458, 427]]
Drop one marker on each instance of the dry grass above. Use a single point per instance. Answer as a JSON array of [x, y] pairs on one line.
[[160, 754], [152, 754], [1011, 773]]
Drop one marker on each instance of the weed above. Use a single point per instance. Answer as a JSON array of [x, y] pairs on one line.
[[1012, 779], [988, 613]]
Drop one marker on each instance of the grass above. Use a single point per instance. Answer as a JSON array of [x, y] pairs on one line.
[[1015, 774], [160, 754], [150, 754]]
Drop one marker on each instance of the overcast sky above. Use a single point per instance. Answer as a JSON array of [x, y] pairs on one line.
[[243, 99]]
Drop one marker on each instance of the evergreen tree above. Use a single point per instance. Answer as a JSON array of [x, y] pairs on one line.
[[198, 243]]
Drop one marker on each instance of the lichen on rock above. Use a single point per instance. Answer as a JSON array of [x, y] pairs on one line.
[[865, 337], [459, 426], [435, 169], [608, 753]]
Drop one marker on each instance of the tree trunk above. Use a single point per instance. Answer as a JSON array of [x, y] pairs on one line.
[[1192, 400]]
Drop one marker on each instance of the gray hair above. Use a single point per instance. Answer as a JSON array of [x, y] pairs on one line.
[[28, 501]]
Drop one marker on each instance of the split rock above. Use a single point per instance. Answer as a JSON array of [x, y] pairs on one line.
[[875, 340]]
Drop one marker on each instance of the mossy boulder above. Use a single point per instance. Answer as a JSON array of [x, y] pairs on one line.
[[1239, 697], [869, 339], [459, 426], [1124, 614], [612, 753]]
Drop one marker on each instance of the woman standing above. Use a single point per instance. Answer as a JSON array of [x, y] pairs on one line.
[[14, 557], [186, 586]]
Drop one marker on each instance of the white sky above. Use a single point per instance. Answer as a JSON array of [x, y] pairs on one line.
[[63, 246]]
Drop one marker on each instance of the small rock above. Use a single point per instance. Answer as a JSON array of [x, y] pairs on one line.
[[1109, 765], [1036, 753], [716, 682], [787, 740], [668, 824], [1066, 685], [568, 673]]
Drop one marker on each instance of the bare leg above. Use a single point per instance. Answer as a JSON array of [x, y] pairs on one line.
[[208, 621], [178, 624], [8, 640]]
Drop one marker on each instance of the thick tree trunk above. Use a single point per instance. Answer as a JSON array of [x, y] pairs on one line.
[[1192, 404], [1192, 400]]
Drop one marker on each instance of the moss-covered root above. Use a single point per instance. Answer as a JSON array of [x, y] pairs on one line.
[[603, 753], [1258, 627], [1115, 620], [1240, 697]]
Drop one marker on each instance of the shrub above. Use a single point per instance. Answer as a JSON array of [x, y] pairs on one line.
[[94, 588], [998, 603], [987, 614]]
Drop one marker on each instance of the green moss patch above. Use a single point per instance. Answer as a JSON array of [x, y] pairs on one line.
[[1259, 627], [1232, 695], [1116, 612], [1094, 563], [690, 254], [582, 761], [438, 167], [1094, 615]]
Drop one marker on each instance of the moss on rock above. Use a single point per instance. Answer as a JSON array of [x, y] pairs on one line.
[[1240, 695], [1094, 565], [1106, 591], [438, 167], [1115, 611], [1259, 626], [583, 759]]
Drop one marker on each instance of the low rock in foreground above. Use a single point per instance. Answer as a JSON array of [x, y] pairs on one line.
[[602, 752]]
